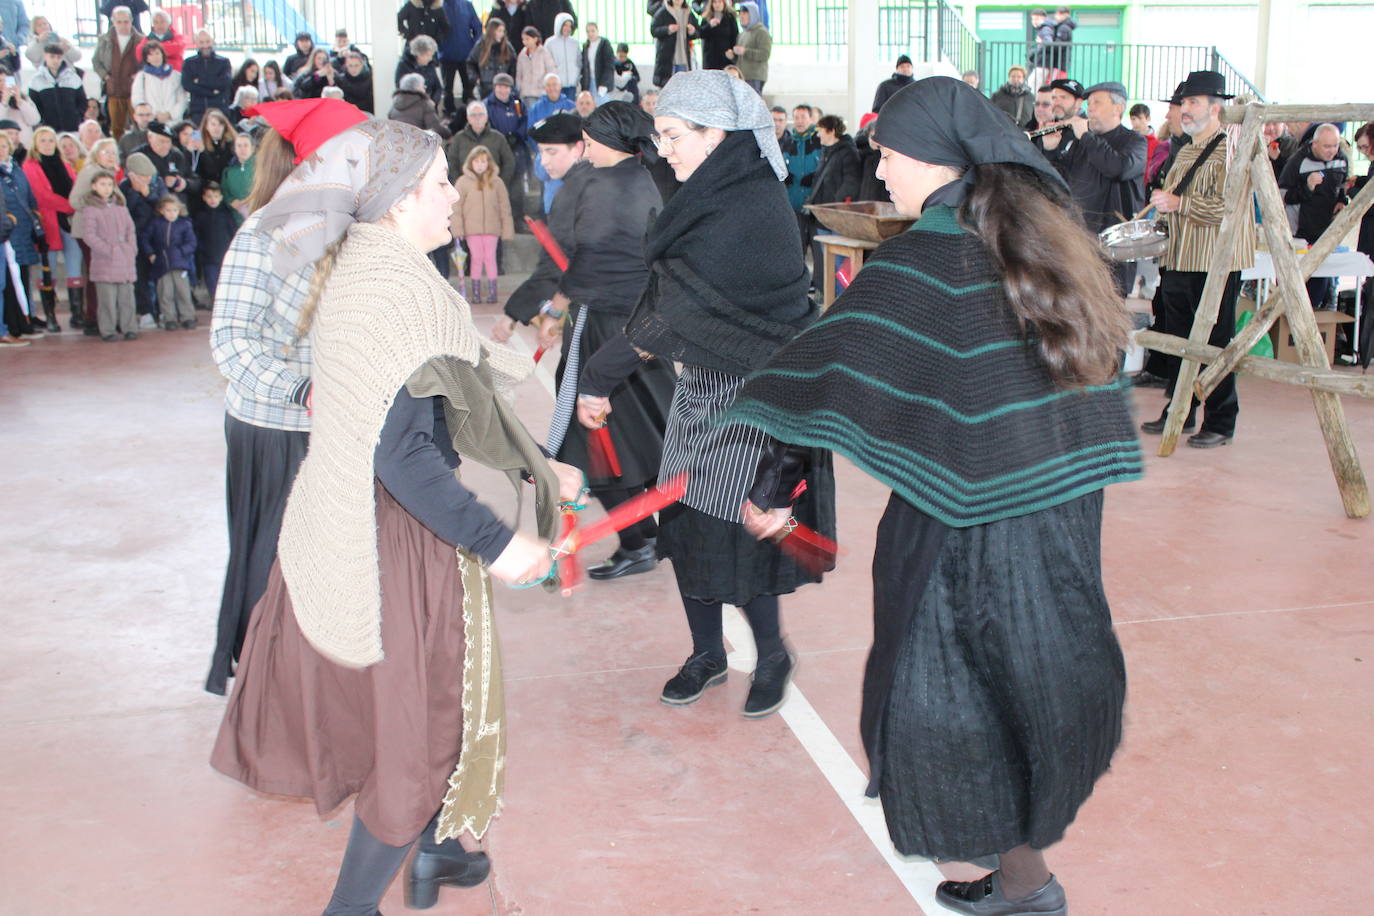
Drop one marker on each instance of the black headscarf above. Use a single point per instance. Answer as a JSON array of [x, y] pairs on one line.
[[945, 121], [624, 127]]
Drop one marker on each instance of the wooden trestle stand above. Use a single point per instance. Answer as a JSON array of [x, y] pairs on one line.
[[1250, 171]]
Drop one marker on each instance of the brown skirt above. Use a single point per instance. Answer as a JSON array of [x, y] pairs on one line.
[[299, 724]]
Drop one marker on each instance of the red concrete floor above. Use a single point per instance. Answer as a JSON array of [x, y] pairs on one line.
[[1243, 598]]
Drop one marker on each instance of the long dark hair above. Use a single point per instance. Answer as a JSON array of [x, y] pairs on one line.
[[489, 43], [1054, 274], [241, 77]]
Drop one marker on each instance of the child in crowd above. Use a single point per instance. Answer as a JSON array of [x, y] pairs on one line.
[[215, 224], [169, 244], [109, 232], [481, 216], [626, 77]]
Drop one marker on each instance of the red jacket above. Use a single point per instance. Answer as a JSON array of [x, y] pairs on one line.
[[174, 49], [49, 204]]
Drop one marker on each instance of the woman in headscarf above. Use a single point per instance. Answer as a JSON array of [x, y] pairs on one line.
[[371, 666], [722, 313], [51, 178], [600, 223], [978, 380]]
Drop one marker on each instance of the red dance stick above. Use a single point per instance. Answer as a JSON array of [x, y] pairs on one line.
[[629, 512], [550, 244], [569, 569], [538, 355], [811, 549], [604, 459]]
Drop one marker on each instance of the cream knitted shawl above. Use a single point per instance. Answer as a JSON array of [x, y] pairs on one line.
[[383, 314]]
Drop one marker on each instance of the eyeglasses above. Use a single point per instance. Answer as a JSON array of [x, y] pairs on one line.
[[664, 142]]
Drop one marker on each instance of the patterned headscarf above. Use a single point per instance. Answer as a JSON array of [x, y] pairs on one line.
[[355, 177], [712, 98]]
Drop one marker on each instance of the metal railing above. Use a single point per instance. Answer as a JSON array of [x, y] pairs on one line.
[[1148, 71], [926, 30], [239, 25]]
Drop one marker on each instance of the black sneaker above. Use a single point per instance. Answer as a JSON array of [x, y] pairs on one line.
[[692, 679], [769, 687]]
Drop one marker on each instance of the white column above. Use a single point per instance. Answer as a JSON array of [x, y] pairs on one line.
[[865, 70], [386, 53], [1275, 35]]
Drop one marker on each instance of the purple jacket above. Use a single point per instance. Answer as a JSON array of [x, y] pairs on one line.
[[112, 239], [173, 243]]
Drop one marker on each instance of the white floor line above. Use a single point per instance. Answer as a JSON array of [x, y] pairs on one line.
[[918, 876]]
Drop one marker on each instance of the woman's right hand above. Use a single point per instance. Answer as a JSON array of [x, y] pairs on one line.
[[503, 329], [524, 560]]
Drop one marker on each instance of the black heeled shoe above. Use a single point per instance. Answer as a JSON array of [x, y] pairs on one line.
[[452, 865], [625, 563]]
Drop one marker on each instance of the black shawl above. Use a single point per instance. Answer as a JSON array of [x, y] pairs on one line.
[[61, 181], [727, 284]]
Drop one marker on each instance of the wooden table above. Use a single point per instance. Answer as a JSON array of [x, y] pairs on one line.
[[834, 248]]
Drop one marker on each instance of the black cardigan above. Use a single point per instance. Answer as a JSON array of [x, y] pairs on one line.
[[716, 40], [840, 174], [666, 42]]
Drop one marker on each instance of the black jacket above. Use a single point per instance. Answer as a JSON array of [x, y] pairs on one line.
[[542, 14], [1017, 101], [840, 174], [545, 280], [60, 99], [515, 22], [666, 43], [889, 87], [174, 164], [715, 41], [210, 82], [214, 230], [294, 62], [1105, 174], [357, 90], [212, 162], [434, 86], [412, 20], [870, 188], [1316, 207], [599, 72], [606, 267], [485, 75]]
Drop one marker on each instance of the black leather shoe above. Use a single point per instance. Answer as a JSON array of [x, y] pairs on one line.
[[1208, 439], [769, 687], [692, 679], [1144, 379], [984, 897], [1156, 427], [441, 865], [625, 563]]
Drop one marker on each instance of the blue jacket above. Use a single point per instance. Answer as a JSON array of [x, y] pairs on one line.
[[141, 208], [209, 80], [507, 118], [20, 205], [541, 108], [465, 30], [803, 159], [174, 244], [16, 22]]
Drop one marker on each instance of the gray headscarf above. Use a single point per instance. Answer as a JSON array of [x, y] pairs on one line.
[[356, 176], [712, 98]]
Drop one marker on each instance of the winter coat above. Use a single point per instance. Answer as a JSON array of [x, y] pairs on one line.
[[467, 138], [142, 208], [60, 97], [214, 229], [515, 22], [173, 48], [627, 81], [1316, 208], [415, 108], [870, 187], [543, 15], [50, 204], [544, 107], [506, 118], [209, 80], [666, 43], [162, 93], [22, 209], [34, 52], [716, 40], [839, 174], [567, 54], [173, 245], [530, 70], [309, 85], [890, 87], [465, 30], [421, 18], [1017, 101], [803, 159], [481, 211], [16, 20], [1105, 174], [237, 181], [117, 68], [753, 60], [292, 68], [174, 164], [1063, 33], [112, 238], [434, 85], [357, 90], [82, 187], [598, 74], [484, 75], [212, 161]]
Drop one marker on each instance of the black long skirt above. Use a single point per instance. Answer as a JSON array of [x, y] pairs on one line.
[[1007, 687], [639, 412], [260, 467]]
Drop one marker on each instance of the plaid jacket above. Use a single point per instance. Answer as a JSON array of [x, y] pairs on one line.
[[253, 335]]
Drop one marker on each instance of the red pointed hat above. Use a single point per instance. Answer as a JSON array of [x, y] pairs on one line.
[[308, 123]]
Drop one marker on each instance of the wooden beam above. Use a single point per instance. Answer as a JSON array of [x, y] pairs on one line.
[[1248, 336], [1235, 114], [1345, 461], [1236, 203], [1273, 370]]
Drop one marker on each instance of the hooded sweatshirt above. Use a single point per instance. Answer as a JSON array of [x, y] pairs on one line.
[[567, 53]]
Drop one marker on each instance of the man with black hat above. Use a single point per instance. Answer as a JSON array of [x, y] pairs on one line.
[[1193, 208], [888, 87], [169, 161], [1103, 163]]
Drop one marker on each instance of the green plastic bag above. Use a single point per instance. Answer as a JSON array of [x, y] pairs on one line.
[[1265, 345]]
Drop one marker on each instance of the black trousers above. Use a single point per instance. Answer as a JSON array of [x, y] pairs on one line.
[[448, 68], [1176, 304]]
